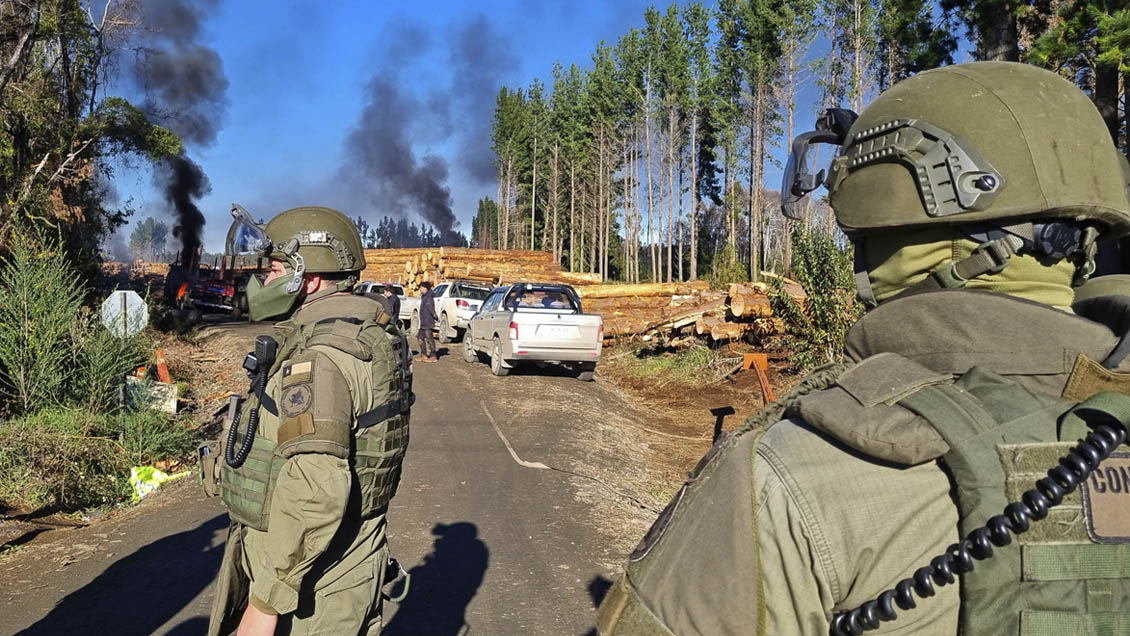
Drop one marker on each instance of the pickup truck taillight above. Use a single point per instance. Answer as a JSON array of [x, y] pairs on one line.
[[513, 331], [462, 303]]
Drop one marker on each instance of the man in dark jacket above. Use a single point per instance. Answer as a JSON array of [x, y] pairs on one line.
[[427, 324], [393, 302]]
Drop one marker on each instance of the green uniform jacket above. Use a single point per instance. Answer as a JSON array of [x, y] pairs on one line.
[[320, 563], [786, 528]]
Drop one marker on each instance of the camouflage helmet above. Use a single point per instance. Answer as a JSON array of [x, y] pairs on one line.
[[320, 240], [979, 142]]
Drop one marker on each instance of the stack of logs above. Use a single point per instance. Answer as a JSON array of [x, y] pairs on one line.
[[692, 308], [647, 309], [412, 266], [135, 268]]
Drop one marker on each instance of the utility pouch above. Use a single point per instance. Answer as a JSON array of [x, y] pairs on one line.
[[209, 469]]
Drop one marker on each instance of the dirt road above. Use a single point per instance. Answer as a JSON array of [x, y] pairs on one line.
[[519, 499]]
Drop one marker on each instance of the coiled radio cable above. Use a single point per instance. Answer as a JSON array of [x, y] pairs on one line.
[[1073, 469]]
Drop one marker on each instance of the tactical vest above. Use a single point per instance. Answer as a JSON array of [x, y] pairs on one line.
[[999, 439], [996, 439], [376, 440]]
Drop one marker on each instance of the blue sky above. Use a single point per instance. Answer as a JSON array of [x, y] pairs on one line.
[[298, 73], [299, 76]]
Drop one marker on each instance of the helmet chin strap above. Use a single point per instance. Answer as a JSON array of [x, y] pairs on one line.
[[346, 284], [1055, 240]]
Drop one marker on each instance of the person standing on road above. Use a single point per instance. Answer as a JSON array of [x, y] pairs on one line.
[[391, 308], [314, 456], [427, 324], [974, 196], [393, 302]]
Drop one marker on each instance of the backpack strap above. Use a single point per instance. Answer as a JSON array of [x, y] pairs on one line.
[[385, 411]]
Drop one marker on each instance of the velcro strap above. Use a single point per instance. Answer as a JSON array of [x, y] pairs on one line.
[[1066, 562], [385, 411], [1043, 623], [623, 613], [268, 402]]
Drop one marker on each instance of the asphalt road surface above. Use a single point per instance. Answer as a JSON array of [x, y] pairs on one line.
[[497, 543]]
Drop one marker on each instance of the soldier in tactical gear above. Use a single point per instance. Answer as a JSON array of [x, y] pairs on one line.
[[973, 196], [320, 440]]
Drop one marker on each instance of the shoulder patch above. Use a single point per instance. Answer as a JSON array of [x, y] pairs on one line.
[[297, 398], [1106, 500], [297, 372]]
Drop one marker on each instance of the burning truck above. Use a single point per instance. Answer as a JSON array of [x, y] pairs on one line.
[[216, 287]]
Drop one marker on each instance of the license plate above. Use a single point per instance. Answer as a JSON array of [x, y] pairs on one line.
[[559, 331]]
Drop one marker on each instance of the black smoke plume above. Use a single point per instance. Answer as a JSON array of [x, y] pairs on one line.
[[184, 184], [381, 160], [186, 91], [481, 60]]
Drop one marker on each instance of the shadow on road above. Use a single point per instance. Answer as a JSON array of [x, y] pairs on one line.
[[598, 589], [443, 585], [140, 593]]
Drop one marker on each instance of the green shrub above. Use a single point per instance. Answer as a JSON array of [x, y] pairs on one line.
[[815, 332], [693, 365], [150, 436], [56, 458], [101, 360], [726, 269], [39, 299], [73, 459], [53, 351]]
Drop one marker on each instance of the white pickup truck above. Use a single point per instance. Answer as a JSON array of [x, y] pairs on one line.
[[537, 322]]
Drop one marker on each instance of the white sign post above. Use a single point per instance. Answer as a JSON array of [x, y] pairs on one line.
[[124, 313]]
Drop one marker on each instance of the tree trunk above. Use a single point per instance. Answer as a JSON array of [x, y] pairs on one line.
[[670, 188], [498, 207], [534, 195], [694, 195], [1000, 38], [556, 201], [598, 209], [650, 197], [679, 221], [753, 130], [756, 191], [573, 215], [1106, 97]]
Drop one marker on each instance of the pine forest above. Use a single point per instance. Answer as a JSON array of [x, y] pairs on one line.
[[660, 161]]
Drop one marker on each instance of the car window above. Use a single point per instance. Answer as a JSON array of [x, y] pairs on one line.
[[398, 290], [439, 290], [491, 303], [473, 293], [540, 298]]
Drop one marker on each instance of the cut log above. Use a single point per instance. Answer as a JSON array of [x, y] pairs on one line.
[[750, 305], [706, 324], [472, 252], [642, 289], [727, 331]]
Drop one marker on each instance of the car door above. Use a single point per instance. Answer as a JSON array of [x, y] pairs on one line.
[[437, 300], [480, 324]]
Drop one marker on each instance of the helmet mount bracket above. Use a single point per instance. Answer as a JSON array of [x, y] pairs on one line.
[[799, 180]]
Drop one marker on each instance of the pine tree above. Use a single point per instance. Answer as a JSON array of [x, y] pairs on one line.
[[702, 96], [1090, 45], [992, 24], [908, 41]]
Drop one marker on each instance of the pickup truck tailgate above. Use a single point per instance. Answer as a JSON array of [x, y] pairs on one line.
[[544, 330]]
